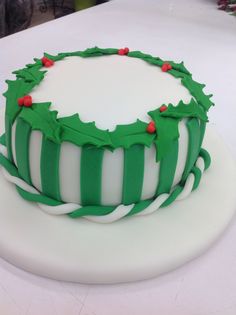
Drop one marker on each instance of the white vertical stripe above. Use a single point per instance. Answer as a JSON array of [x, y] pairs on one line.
[[151, 173], [35, 145], [112, 177], [13, 141], [69, 172], [183, 151]]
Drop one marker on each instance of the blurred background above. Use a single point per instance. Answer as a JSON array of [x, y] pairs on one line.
[[16, 15]]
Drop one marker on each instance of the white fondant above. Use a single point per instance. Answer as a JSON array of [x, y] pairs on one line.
[[132, 249], [151, 173], [187, 187], [200, 164], [70, 172], [118, 213], [112, 177], [35, 144], [109, 90], [182, 151], [3, 150], [13, 139]]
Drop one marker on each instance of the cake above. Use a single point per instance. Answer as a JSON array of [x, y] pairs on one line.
[[104, 133]]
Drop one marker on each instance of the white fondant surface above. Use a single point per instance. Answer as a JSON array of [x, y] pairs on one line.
[[131, 249], [124, 88]]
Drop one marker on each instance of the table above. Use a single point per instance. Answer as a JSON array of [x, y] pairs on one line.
[[205, 38]]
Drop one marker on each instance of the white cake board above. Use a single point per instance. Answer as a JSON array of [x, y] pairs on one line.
[[131, 249]]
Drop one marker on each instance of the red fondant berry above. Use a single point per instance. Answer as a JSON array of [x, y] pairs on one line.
[[20, 101], [151, 128], [126, 50], [47, 62], [166, 66], [163, 108], [121, 52], [27, 101]]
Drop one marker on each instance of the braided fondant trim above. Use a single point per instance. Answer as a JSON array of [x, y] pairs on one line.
[[104, 214]]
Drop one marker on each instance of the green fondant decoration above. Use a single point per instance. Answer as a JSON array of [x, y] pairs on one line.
[[175, 193], [206, 157], [167, 133], [8, 130], [96, 210], [23, 131], [193, 146], [40, 118], [30, 74], [202, 132], [133, 174], [16, 89], [183, 110], [167, 169], [124, 136], [127, 135], [197, 176], [80, 133], [49, 166], [196, 89], [91, 175]]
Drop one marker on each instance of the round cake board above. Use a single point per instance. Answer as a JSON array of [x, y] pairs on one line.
[[131, 249]]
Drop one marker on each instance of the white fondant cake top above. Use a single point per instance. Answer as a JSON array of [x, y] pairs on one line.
[[109, 90]]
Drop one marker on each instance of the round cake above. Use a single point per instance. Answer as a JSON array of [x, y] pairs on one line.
[[104, 133]]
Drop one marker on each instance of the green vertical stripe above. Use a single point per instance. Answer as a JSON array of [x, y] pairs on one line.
[[133, 174], [167, 169], [193, 145], [50, 157], [8, 130], [202, 132], [22, 137], [91, 175]]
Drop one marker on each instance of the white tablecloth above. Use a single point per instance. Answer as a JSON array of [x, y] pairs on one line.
[[205, 38]]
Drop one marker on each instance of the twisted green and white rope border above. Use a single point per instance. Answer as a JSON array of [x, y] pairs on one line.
[[54, 207]]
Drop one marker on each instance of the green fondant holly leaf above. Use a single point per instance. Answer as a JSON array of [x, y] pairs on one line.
[[167, 132], [54, 58], [185, 110], [139, 54], [196, 89], [30, 74], [127, 135], [41, 118], [16, 89], [179, 67], [81, 133]]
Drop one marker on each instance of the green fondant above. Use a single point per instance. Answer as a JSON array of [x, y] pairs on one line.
[[3, 139], [196, 89], [175, 193], [133, 174], [16, 89], [193, 145], [8, 130], [202, 132], [167, 169], [40, 118], [183, 110], [91, 175], [49, 166], [127, 135], [23, 131], [197, 176], [80, 133], [206, 157], [30, 74], [167, 132], [72, 129], [95, 210]]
